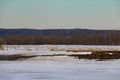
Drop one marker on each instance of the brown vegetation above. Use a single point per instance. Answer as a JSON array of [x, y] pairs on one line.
[[99, 55], [2, 41], [112, 38]]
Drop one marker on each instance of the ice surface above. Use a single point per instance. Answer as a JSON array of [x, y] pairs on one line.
[[57, 67], [60, 70]]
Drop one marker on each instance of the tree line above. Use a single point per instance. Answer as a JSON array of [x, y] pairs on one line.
[[110, 38]]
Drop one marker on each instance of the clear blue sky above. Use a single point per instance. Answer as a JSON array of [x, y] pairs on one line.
[[47, 14]]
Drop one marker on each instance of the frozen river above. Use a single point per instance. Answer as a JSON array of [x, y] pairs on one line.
[[60, 70], [58, 67]]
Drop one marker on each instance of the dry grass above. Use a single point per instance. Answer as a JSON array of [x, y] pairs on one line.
[[100, 55]]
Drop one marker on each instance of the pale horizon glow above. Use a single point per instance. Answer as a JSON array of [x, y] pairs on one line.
[[60, 14]]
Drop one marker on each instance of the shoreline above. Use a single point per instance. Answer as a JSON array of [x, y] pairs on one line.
[[99, 55]]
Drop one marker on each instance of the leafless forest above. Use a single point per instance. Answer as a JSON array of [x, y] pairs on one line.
[[111, 38]]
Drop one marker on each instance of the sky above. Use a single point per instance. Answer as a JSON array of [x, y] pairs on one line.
[[60, 14]]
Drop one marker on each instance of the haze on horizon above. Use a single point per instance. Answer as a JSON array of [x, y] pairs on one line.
[[60, 14]]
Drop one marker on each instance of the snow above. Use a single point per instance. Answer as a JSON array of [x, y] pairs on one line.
[[52, 49], [57, 67], [60, 70]]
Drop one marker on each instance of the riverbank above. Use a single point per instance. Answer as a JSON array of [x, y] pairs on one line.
[[25, 52]]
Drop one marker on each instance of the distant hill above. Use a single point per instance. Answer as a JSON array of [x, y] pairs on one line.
[[52, 32]]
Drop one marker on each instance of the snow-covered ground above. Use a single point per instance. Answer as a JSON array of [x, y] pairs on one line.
[[60, 70], [52, 49], [57, 67]]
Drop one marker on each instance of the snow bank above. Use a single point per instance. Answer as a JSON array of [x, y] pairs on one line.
[[52, 49]]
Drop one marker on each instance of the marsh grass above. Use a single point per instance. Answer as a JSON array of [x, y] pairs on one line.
[[99, 55]]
